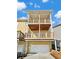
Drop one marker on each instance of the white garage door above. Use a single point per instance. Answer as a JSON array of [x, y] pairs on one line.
[[39, 48]]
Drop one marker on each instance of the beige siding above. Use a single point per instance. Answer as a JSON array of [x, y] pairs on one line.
[[22, 27], [57, 33]]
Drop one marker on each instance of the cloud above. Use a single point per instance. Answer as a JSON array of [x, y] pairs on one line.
[[31, 3], [53, 22], [22, 17], [21, 5], [44, 1], [36, 6], [58, 14]]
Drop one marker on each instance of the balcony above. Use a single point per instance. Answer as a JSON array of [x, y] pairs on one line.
[[20, 35], [37, 35]]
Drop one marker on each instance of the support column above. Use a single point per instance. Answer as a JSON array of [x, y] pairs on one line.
[[27, 47], [55, 45], [50, 45]]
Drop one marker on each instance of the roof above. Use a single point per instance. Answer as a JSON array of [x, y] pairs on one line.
[[57, 25], [39, 11], [22, 20]]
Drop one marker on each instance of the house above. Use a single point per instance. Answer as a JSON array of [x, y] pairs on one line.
[[38, 32]]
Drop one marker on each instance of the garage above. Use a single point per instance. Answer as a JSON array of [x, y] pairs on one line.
[[39, 48]]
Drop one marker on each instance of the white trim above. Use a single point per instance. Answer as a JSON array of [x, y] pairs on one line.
[[39, 40], [40, 23], [40, 14], [55, 45]]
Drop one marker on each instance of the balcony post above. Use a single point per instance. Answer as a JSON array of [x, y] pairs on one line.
[[55, 45], [39, 26], [46, 35], [44, 20], [33, 20]]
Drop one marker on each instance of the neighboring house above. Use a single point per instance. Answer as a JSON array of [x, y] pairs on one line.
[[57, 32], [57, 36], [21, 29], [22, 25], [38, 34]]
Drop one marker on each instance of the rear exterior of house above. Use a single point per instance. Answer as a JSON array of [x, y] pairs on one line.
[[37, 31]]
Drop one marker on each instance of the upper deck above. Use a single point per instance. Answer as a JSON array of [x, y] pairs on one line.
[[39, 17]]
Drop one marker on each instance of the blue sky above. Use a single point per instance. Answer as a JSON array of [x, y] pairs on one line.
[[54, 5]]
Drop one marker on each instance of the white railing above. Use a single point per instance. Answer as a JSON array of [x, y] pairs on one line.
[[37, 21], [37, 35]]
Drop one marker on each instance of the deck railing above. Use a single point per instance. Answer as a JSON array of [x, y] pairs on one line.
[[20, 35], [37, 21], [39, 35]]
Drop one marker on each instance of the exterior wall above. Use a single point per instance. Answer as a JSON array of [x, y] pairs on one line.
[[21, 43], [57, 33]]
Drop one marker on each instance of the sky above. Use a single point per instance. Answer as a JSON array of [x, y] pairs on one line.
[[53, 5]]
